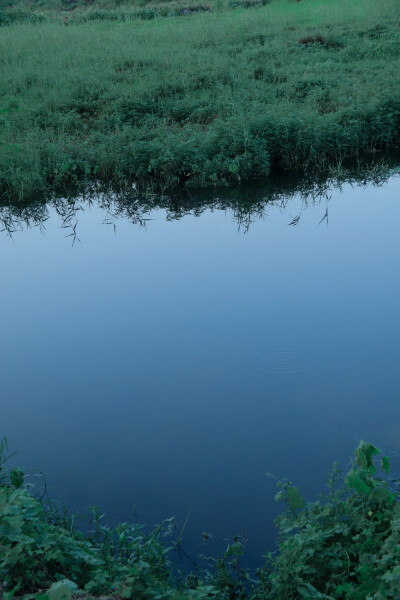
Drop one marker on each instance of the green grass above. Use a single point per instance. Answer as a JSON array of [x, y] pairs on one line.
[[78, 11], [210, 99]]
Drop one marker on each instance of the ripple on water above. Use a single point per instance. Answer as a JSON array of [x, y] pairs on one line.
[[282, 362]]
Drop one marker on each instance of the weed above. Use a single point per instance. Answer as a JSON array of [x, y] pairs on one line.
[[343, 546], [216, 99]]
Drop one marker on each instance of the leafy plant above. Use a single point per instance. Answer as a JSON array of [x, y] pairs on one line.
[[344, 546]]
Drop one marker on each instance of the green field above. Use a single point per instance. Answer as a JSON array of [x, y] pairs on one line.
[[202, 99]]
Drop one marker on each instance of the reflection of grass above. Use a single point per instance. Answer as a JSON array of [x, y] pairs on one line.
[[204, 100], [246, 203], [344, 547]]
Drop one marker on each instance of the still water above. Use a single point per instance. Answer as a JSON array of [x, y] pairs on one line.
[[171, 363]]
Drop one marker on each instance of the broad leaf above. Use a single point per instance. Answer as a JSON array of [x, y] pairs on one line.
[[364, 455], [355, 480]]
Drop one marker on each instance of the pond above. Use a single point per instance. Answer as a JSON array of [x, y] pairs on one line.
[[153, 364]]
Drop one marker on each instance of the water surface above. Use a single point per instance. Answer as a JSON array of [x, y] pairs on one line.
[[170, 366]]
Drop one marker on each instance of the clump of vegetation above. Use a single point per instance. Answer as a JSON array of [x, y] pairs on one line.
[[312, 39], [40, 549], [345, 546], [78, 11], [217, 98]]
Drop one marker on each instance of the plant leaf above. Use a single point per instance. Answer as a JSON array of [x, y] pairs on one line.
[[385, 464]]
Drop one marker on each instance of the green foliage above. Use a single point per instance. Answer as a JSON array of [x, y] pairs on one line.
[[81, 11], [364, 455], [62, 590], [213, 99], [40, 549], [17, 478], [345, 546], [385, 464]]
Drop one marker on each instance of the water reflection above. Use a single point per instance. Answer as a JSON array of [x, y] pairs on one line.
[[245, 204]]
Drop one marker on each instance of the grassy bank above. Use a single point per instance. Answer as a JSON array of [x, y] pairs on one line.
[[344, 546], [79, 11], [204, 100]]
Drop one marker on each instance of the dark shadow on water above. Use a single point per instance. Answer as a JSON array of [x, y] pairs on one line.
[[246, 203]]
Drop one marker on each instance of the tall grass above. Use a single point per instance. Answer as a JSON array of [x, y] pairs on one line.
[[205, 100]]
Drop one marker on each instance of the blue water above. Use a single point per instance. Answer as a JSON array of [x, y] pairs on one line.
[[170, 366]]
